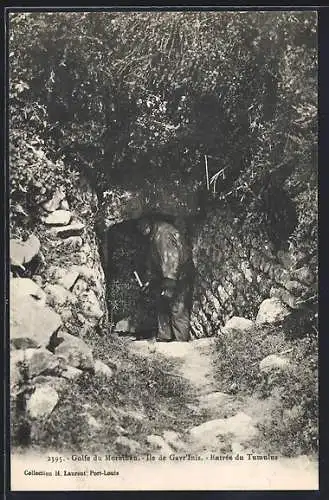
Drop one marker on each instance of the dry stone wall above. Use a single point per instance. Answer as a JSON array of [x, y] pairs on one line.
[[238, 268], [57, 298]]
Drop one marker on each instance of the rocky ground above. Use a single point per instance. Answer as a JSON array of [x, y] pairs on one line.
[[75, 386], [230, 426]]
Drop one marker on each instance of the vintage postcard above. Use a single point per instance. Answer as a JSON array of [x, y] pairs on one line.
[[163, 269]]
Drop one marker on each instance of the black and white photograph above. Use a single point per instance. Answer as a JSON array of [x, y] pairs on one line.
[[163, 249]]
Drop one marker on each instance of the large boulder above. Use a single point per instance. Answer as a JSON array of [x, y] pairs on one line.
[[37, 362], [42, 402], [42, 362], [23, 287], [239, 428], [75, 351], [58, 218], [271, 311], [22, 252], [237, 325], [31, 323]]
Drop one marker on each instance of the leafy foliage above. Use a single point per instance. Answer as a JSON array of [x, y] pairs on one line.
[[126, 96]]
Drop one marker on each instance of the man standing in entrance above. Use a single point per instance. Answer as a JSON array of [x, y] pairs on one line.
[[172, 276]]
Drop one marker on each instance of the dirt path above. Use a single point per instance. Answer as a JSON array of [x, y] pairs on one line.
[[195, 359], [230, 426]]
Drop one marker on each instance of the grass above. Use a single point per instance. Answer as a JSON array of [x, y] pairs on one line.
[[145, 396], [289, 416]]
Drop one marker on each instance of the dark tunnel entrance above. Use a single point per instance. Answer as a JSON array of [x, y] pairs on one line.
[[124, 251]]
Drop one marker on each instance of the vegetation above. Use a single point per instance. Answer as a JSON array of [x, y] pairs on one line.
[[290, 426], [124, 98], [145, 396], [129, 96]]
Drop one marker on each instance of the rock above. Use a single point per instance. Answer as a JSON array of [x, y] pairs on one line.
[[22, 252], [286, 259], [102, 369], [55, 273], [285, 297], [58, 295], [79, 287], [173, 439], [71, 373], [273, 361], [31, 323], [64, 205], [304, 275], [74, 229], [90, 307], [38, 280], [73, 242], [158, 444], [42, 362], [57, 383], [84, 271], [291, 259], [58, 218], [17, 358], [55, 202], [124, 325], [295, 287], [236, 325], [75, 351], [23, 287], [92, 422], [81, 258], [271, 311], [239, 428], [42, 402], [69, 279], [127, 446], [66, 314]]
